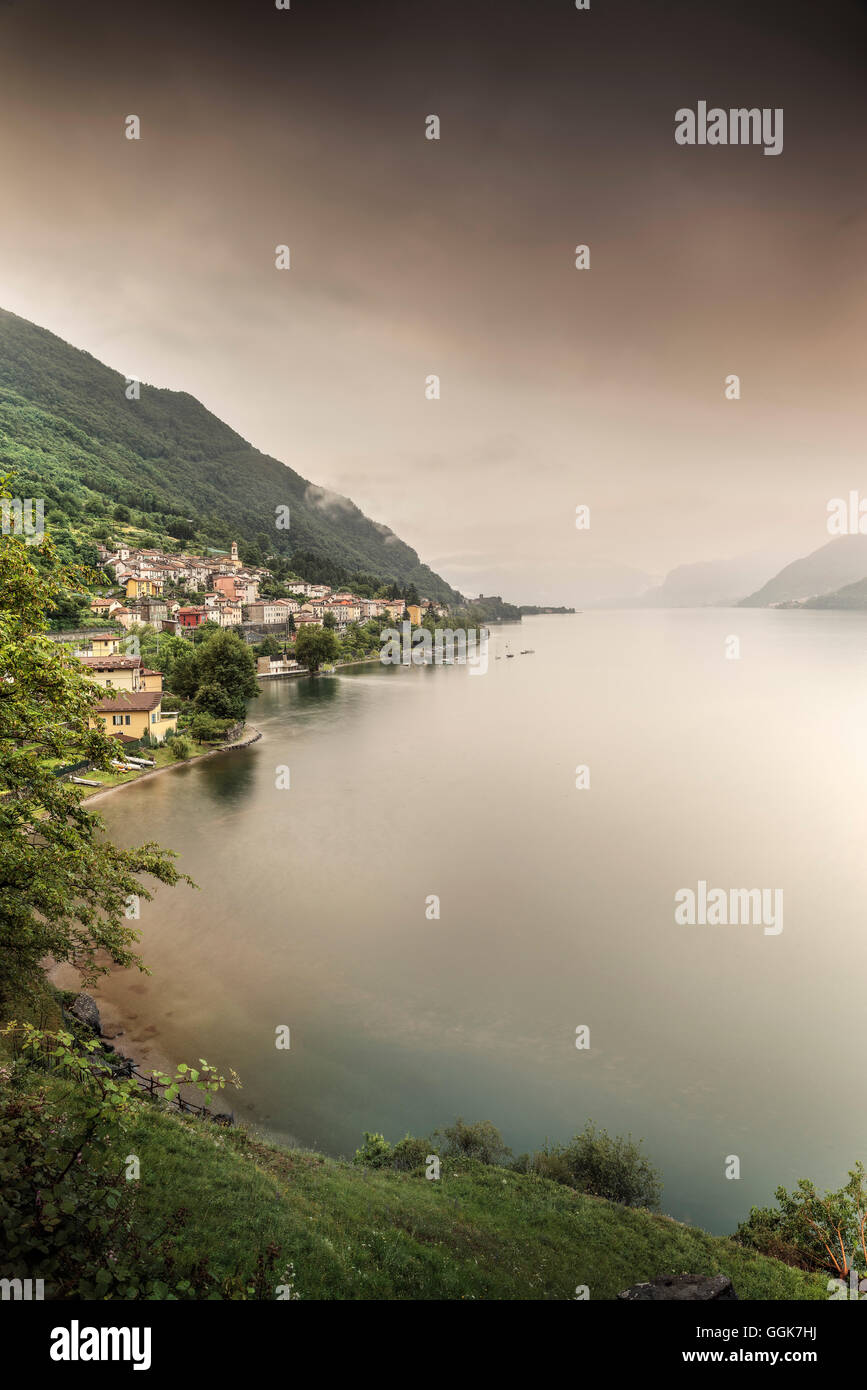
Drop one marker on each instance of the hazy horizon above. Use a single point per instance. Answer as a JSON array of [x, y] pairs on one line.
[[456, 257]]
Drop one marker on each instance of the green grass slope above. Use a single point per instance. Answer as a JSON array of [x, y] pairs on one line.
[[65, 419], [479, 1232]]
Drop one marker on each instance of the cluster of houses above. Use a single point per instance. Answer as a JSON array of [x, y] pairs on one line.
[[132, 704], [231, 595]]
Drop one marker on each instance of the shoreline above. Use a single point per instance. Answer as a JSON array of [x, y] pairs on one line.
[[250, 736], [133, 1036]]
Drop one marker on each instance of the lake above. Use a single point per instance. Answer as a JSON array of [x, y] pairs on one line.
[[557, 905]]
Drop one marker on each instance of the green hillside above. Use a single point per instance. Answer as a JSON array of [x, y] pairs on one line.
[[69, 434], [481, 1232]]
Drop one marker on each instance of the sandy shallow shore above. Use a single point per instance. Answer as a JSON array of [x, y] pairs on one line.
[[132, 1035]]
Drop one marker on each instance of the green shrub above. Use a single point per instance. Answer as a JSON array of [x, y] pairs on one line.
[[548, 1163], [67, 1211], [410, 1153], [603, 1166], [204, 727], [814, 1231], [181, 747], [375, 1152], [482, 1141]]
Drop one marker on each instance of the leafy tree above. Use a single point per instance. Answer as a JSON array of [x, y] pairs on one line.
[[814, 1231], [66, 608], [215, 700], [205, 630], [315, 645], [204, 727], [64, 887], [176, 658], [183, 674], [250, 553], [225, 660], [329, 621], [121, 513], [88, 555]]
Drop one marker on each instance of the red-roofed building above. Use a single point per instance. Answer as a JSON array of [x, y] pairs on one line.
[[192, 616]]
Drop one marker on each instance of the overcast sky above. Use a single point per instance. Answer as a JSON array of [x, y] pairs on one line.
[[456, 257]]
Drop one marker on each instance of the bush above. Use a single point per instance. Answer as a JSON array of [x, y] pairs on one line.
[[205, 728], [181, 747], [66, 1210], [811, 1230], [481, 1141], [547, 1163], [410, 1153], [375, 1152], [602, 1166]]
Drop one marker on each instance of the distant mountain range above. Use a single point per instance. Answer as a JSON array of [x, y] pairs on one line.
[[834, 576], [69, 434], [837, 566], [717, 582], [850, 596]]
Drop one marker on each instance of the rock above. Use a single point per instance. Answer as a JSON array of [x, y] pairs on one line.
[[86, 1011], [701, 1288]]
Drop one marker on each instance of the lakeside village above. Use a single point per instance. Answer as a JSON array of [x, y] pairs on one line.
[[178, 673]]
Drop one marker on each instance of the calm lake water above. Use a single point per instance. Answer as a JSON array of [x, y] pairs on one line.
[[557, 905]]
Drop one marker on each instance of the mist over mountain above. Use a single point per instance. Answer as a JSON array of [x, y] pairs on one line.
[[712, 581], [841, 562]]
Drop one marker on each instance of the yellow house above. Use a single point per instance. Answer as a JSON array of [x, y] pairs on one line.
[[150, 680], [116, 672], [98, 644], [136, 713], [143, 588], [414, 611]]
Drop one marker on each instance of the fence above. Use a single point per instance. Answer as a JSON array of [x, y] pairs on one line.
[[153, 1087], [128, 1068]]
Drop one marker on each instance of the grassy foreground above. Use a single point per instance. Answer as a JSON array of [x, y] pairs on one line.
[[480, 1232]]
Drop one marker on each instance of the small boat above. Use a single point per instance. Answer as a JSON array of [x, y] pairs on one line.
[[528, 651]]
